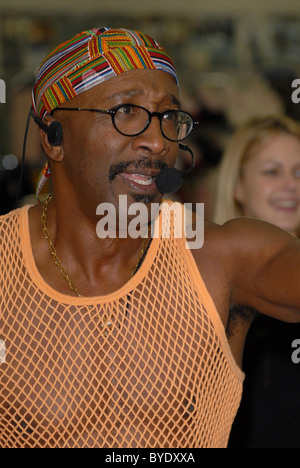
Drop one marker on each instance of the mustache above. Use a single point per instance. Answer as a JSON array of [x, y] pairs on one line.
[[116, 169]]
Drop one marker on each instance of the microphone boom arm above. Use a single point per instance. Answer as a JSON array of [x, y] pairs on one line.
[[170, 180]]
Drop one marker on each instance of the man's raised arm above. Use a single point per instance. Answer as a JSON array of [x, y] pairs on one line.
[[265, 268]]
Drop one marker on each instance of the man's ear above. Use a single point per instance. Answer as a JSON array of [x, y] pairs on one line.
[[52, 141]]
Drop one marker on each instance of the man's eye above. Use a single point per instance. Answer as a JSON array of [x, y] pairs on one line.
[[170, 116], [127, 109]]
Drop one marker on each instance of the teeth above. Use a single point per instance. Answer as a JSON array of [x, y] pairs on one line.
[[142, 180], [287, 204]]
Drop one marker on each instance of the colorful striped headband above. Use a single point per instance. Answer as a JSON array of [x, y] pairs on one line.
[[88, 59]]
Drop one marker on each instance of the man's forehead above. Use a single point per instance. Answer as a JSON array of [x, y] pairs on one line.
[[142, 92]]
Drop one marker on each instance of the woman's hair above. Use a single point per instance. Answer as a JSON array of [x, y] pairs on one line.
[[245, 142]]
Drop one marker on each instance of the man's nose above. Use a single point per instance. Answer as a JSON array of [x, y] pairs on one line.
[[152, 138]]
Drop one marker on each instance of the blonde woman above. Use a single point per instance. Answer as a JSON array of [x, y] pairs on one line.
[[260, 174], [259, 177]]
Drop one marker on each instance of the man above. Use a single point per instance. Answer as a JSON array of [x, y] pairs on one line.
[[120, 341]]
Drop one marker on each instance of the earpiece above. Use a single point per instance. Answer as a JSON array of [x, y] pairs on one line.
[[55, 134], [55, 138], [54, 130]]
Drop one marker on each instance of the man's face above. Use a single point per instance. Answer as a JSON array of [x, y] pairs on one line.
[[100, 163]]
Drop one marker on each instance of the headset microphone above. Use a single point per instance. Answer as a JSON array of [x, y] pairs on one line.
[[170, 180], [54, 130]]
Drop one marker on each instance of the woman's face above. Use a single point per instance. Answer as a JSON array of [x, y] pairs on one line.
[[269, 186]]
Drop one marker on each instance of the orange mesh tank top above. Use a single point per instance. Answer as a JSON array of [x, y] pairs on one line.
[[162, 375]]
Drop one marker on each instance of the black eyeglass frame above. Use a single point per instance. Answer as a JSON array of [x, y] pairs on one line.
[[112, 112]]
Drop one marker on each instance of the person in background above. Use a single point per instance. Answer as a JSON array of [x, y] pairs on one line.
[[259, 177]]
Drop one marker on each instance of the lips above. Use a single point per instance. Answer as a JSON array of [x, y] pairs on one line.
[[139, 178], [139, 175], [140, 182], [286, 204]]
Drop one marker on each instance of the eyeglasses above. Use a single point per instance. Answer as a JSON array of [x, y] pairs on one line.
[[131, 120]]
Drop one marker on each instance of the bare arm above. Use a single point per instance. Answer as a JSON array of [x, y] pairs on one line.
[[264, 268]]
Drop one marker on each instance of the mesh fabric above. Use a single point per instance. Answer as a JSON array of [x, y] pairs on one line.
[[161, 376]]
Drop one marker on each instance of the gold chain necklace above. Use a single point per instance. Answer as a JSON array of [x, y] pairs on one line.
[[104, 324]]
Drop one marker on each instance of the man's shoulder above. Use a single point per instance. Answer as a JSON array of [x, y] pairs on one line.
[[11, 216], [10, 223], [242, 228], [243, 241]]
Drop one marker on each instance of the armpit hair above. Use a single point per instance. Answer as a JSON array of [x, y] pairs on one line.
[[240, 314]]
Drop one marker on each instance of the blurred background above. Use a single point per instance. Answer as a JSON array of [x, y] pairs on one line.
[[235, 59]]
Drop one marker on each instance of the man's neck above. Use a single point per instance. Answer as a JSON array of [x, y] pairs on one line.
[[96, 266]]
